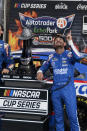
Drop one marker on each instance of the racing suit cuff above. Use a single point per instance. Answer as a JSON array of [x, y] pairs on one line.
[[74, 48], [39, 71], [10, 67]]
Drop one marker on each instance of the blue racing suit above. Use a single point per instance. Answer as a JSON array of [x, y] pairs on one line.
[[63, 76], [8, 60]]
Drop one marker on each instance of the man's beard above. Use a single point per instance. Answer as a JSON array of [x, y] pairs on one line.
[[58, 47]]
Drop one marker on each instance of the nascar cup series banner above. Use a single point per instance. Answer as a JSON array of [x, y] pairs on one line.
[[30, 101]]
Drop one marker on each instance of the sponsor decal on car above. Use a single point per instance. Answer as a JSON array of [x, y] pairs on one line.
[[81, 88]]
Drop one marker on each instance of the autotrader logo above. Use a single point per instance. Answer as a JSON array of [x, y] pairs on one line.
[[61, 23], [46, 24]]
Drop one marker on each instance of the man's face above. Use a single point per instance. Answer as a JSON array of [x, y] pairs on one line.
[[59, 43]]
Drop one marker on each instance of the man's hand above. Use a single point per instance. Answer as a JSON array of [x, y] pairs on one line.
[[69, 36], [6, 46], [11, 66], [40, 76], [5, 71]]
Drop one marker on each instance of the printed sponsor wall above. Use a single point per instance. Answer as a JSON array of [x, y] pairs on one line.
[[55, 9], [49, 12]]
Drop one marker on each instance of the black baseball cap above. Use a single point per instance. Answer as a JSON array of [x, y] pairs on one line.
[[59, 35]]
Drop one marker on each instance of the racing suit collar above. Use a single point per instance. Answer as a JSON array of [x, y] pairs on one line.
[[60, 54]]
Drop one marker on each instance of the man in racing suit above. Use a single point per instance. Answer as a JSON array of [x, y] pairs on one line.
[[5, 55], [5, 58], [63, 91]]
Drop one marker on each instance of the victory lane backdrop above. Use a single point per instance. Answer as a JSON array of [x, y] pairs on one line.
[[56, 9], [44, 42]]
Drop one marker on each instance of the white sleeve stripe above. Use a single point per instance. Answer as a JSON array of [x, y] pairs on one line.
[[39, 71], [74, 48]]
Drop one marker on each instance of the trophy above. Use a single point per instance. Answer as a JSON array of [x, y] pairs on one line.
[[26, 66]]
